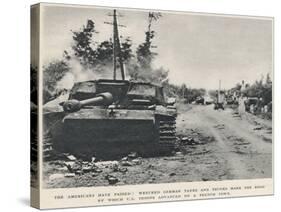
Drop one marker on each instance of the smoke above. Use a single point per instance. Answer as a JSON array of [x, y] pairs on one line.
[[79, 73], [66, 82]]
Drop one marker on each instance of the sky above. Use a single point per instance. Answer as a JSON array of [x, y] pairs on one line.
[[197, 49]]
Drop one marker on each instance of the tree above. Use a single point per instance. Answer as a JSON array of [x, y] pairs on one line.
[[33, 84], [83, 41], [52, 74], [261, 89], [141, 67], [97, 56], [144, 53], [104, 51]]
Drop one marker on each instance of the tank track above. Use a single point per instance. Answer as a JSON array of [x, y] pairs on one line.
[[167, 134]]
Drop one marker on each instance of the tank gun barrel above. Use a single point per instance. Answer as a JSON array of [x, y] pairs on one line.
[[75, 105]]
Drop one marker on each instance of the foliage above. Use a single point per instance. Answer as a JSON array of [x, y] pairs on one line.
[[94, 55], [52, 74], [97, 57], [83, 44], [189, 94], [33, 84], [261, 89], [141, 67], [144, 53]]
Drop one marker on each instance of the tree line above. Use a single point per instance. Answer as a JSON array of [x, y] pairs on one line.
[[261, 89], [98, 56]]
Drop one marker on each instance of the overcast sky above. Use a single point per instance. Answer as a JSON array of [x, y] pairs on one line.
[[199, 50]]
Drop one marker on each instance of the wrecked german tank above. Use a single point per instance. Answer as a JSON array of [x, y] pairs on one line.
[[108, 118]]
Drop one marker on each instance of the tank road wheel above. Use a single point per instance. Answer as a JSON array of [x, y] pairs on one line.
[[167, 135]]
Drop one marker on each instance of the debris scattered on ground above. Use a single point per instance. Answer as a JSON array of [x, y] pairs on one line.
[[178, 153], [257, 128], [73, 167], [241, 143], [111, 179], [124, 159], [94, 174], [190, 141], [56, 176], [71, 157], [115, 168], [126, 163], [219, 126], [79, 172], [204, 151], [64, 168], [69, 174], [136, 161], [236, 116], [103, 164], [123, 169], [57, 163], [210, 139], [150, 166], [238, 151], [185, 139], [269, 140], [87, 169], [255, 122], [97, 170], [132, 155], [69, 163]]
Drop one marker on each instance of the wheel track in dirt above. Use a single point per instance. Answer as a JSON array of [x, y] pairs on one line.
[[254, 160]]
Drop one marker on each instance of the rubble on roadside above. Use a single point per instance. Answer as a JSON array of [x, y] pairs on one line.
[[72, 167], [257, 128]]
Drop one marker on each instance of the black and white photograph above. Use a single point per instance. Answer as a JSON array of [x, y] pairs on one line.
[[133, 97]]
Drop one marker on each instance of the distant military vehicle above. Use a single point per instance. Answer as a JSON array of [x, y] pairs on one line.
[[208, 100], [250, 101], [229, 100], [200, 100]]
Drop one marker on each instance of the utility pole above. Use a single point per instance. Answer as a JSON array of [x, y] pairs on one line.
[[114, 44], [116, 47], [219, 91]]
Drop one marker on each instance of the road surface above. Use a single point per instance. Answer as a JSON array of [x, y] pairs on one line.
[[241, 143]]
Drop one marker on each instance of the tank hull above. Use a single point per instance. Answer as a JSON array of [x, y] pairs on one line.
[[105, 134]]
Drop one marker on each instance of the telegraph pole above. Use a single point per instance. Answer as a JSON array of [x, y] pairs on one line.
[[116, 48], [219, 91], [114, 44]]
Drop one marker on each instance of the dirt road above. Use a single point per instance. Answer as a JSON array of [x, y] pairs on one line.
[[212, 145], [242, 142]]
